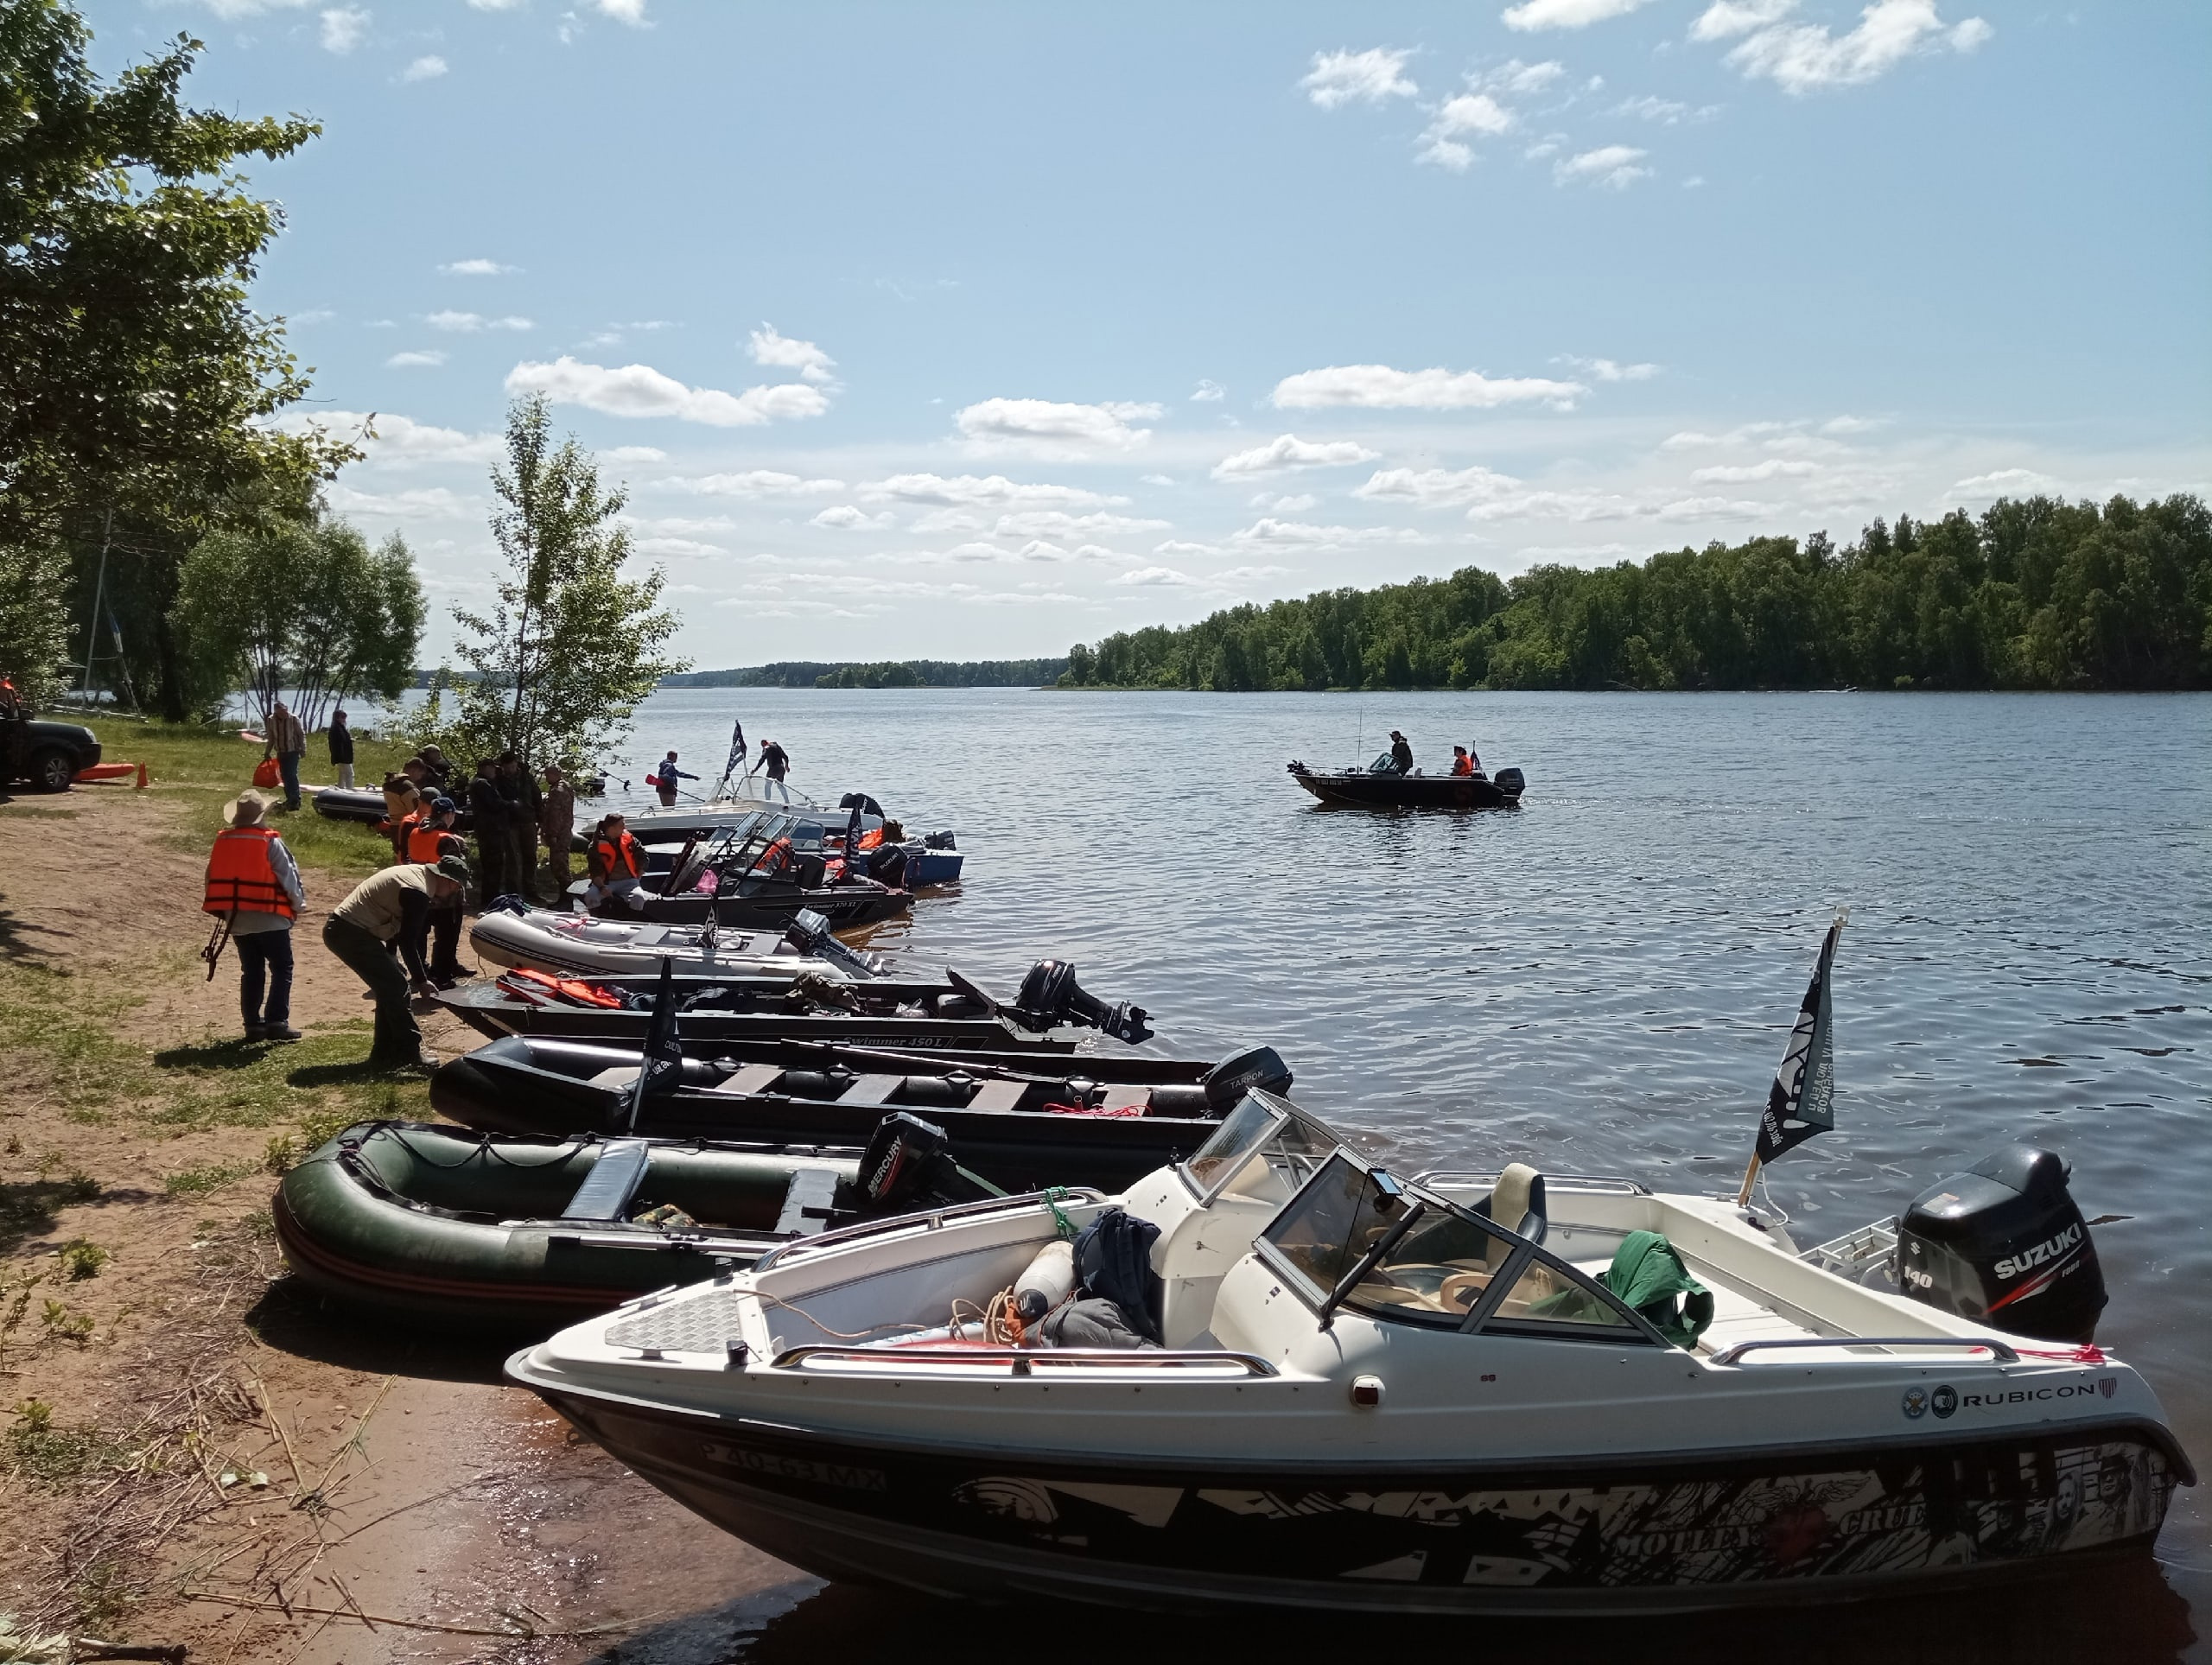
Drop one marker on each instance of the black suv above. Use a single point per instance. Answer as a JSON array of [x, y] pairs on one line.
[[49, 755]]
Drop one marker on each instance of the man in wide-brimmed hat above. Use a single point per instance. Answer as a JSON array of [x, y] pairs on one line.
[[378, 926], [254, 882]]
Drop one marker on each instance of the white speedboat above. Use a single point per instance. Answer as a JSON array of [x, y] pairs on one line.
[[1442, 1395], [577, 945]]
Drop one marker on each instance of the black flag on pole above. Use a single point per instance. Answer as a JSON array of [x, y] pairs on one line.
[[1801, 1101], [661, 1064]]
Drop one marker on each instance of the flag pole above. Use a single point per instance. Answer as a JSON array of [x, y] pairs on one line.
[[1751, 1174]]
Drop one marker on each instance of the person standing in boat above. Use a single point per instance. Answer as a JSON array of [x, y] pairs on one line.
[[1401, 753], [377, 930], [556, 824], [341, 749], [665, 777], [253, 881], [615, 867], [775, 763]]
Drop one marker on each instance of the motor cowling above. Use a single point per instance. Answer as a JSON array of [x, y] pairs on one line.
[[909, 1162], [2004, 1244], [1510, 782], [1049, 995], [1240, 1072]]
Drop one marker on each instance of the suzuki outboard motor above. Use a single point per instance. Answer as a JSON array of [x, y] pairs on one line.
[[1049, 995], [810, 934], [1509, 782], [2003, 1244]]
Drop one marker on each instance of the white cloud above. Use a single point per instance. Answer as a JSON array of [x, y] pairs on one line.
[[1155, 479], [428, 68], [1716, 508], [970, 491], [641, 390], [1612, 166], [423, 358], [1435, 488], [682, 526], [229, 10], [684, 547], [1745, 474], [1514, 76], [2004, 482], [1469, 112], [1804, 57], [468, 323], [1248, 575], [1564, 14], [1057, 523], [1271, 533], [1155, 578], [1666, 111], [783, 352], [496, 6], [636, 454], [1368, 77], [847, 518], [1289, 451], [756, 482], [476, 268], [1854, 424], [435, 503], [344, 28], [1207, 392], [1610, 370], [631, 12], [398, 439], [1378, 387], [1046, 428], [1285, 502]]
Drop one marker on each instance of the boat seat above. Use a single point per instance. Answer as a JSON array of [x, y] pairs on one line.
[[998, 1096], [809, 1201], [871, 1090], [613, 1181], [1516, 1202], [753, 1078], [620, 1075]]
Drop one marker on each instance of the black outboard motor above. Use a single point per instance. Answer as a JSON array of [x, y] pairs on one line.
[[1240, 1072], [1510, 782], [2003, 1244], [1051, 995], [809, 934], [907, 1163], [939, 841]]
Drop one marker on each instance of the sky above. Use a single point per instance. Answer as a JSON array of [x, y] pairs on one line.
[[964, 331]]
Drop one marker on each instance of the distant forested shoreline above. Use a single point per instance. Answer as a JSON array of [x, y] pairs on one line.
[[884, 673], [2034, 594]]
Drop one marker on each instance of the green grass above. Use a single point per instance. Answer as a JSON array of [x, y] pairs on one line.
[[208, 1177], [206, 768]]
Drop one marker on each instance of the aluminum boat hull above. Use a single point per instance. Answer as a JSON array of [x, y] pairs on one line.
[[1666, 1533]]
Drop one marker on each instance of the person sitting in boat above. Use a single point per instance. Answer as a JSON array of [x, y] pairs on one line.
[[615, 866], [1461, 763], [1401, 753]]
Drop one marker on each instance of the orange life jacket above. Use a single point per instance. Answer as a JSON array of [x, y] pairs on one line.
[[536, 984], [1463, 766], [607, 853], [242, 878], [776, 858], [420, 841]]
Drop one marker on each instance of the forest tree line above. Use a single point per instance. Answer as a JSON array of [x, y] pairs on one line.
[[885, 673], [2034, 594]]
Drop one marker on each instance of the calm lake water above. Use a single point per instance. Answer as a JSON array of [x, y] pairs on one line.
[[1602, 981]]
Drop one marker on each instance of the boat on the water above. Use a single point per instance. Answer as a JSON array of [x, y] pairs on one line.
[[759, 873], [578, 945], [423, 1224], [1019, 1119], [920, 859], [1299, 1380], [902, 1014], [1380, 785]]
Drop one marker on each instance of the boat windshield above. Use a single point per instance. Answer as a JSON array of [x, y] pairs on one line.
[[1264, 1134], [1357, 1237]]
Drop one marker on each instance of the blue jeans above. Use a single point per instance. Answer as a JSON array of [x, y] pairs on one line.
[[266, 956], [288, 766]]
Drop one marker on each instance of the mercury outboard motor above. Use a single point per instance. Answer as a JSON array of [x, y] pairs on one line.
[[2003, 1244], [1510, 782], [1051, 995], [809, 934], [907, 1162]]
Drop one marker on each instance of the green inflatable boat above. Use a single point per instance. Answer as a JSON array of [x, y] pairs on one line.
[[510, 1232]]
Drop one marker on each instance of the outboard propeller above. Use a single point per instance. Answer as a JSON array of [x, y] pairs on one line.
[[809, 934], [1049, 995]]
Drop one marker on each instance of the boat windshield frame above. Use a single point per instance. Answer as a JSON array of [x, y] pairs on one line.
[[1413, 1201], [1245, 1134]]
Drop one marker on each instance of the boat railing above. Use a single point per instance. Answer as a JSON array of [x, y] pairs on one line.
[[927, 1219], [2003, 1354], [1592, 1183], [1023, 1361]]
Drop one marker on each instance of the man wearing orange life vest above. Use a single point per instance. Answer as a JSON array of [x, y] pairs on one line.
[[1461, 764], [253, 881], [425, 837], [615, 867]]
